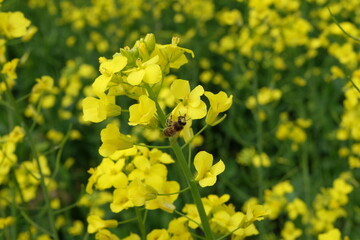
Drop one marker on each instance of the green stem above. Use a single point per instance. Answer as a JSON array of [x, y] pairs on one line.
[[59, 154], [197, 134], [259, 131], [341, 28], [187, 173], [183, 215], [18, 117], [259, 147], [127, 221], [306, 180], [141, 223], [14, 206], [151, 146], [194, 190], [31, 222], [168, 194]]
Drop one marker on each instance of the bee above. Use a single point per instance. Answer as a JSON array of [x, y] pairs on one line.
[[173, 127]]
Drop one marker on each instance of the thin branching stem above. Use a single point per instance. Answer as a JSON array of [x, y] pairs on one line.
[[18, 117], [187, 173]]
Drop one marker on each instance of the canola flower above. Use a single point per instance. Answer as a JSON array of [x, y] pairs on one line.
[[140, 177], [256, 44]]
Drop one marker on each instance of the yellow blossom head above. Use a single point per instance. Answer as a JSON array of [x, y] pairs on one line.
[[96, 223], [206, 172], [113, 140], [143, 112], [191, 103], [13, 24]]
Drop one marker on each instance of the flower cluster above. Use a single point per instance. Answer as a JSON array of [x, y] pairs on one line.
[[327, 207], [138, 176], [349, 129], [248, 157], [293, 130]]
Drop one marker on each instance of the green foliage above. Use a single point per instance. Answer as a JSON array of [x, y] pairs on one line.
[[291, 133]]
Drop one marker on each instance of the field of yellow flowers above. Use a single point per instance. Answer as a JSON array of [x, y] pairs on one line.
[[202, 119]]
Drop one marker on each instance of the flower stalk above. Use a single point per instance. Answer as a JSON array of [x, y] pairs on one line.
[[187, 173], [194, 190]]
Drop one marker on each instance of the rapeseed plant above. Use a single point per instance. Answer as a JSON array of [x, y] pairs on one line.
[[140, 179], [290, 54]]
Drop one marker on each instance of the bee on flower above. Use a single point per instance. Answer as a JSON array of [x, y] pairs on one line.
[[174, 127]]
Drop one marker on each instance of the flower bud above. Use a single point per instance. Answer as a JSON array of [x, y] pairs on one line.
[[150, 42], [130, 54], [143, 51], [175, 40]]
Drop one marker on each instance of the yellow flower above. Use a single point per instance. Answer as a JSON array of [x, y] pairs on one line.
[[143, 112], [242, 233], [13, 24], [228, 221], [121, 200], [206, 172], [148, 72], [29, 34], [4, 222], [139, 192], [112, 66], [16, 135], [165, 201], [96, 223], [290, 232], [191, 104], [171, 56], [157, 234], [44, 84], [108, 67], [333, 234], [178, 228], [132, 236], [100, 85], [105, 234], [2, 51], [264, 96], [76, 229], [295, 208], [153, 174], [214, 201], [111, 174], [256, 213], [97, 110], [113, 140], [218, 103], [261, 160], [193, 214], [9, 70]]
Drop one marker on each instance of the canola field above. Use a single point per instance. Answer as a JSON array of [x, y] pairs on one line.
[[202, 119]]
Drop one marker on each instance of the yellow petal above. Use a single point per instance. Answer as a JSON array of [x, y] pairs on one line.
[[218, 168], [202, 162], [208, 181], [198, 112], [100, 84], [151, 61], [114, 65], [153, 74], [180, 88], [136, 77], [94, 110], [196, 93]]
